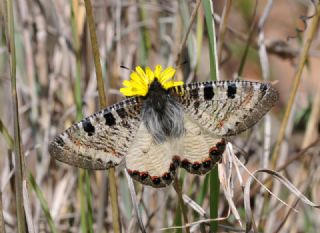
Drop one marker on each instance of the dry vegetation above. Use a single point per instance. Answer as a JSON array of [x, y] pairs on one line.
[[56, 85]]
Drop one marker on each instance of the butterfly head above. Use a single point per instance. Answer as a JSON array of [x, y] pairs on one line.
[[141, 80]]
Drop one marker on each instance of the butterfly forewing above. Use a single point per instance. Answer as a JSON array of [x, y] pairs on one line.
[[226, 108], [101, 140]]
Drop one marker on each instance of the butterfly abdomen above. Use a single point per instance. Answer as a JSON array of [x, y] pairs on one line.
[[162, 114]]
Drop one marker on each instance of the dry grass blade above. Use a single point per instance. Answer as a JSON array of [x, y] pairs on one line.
[[194, 205], [43, 202], [225, 178], [135, 202], [280, 178], [103, 104], [19, 158], [27, 208], [2, 228]]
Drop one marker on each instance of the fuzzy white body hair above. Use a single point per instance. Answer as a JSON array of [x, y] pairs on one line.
[[163, 120]]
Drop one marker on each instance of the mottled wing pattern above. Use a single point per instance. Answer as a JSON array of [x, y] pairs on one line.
[[226, 108], [201, 151], [149, 162], [155, 164], [101, 140]]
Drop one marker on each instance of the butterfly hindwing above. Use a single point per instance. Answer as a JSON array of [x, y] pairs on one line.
[[226, 108], [149, 162], [101, 140], [155, 164], [201, 151]]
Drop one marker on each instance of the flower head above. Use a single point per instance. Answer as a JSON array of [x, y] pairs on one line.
[[140, 80]]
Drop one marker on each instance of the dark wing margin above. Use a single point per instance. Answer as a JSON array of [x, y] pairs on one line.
[[101, 140], [226, 108]]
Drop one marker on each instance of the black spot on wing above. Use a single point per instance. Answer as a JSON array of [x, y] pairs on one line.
[[196, 104], [59, 141], [110, 120], [122, 113], [208, 91], [263, 87], [232, 90], [88, 127], [194, 94]]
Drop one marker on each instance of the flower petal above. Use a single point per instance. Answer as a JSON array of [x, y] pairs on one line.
[[157, 71], [141, 72], [149, 74], [170, 84], [137, 78], [167, 74]]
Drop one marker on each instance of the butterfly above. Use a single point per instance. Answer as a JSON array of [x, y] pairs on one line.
[[163, 125]]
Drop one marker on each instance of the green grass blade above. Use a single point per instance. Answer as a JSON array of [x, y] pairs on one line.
[[43, 203], [214, 198], [89, 200], [214, 179], [7, 137], [208, 11], [178, 218], [83, 177], [145, 44]]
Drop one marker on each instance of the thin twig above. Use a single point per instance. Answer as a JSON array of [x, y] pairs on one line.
[[184, 40], [293, 158], [103, 104], [223, 27]]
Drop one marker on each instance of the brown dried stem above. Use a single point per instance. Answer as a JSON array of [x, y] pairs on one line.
[[19, 158], [103, 104]]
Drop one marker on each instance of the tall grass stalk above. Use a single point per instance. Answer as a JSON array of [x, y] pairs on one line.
[[10, 143], [43, 202], [83, 176], [214, 179], [19, 158], [177, 188], [103, 103], [34, 185]]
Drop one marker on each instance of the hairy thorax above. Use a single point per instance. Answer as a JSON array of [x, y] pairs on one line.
[[162, 114]]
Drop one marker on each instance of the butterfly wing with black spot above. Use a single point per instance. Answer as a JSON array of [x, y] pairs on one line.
[[226, 108], [101, 140]]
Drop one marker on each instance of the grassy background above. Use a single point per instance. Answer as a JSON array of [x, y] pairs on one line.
[[56, 84]]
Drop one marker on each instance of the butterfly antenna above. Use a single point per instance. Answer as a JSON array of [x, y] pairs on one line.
[[126, 68]]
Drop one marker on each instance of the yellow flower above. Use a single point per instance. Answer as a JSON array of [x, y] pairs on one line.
[[140, 80]]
